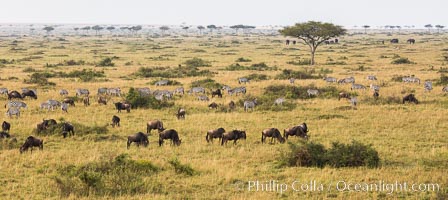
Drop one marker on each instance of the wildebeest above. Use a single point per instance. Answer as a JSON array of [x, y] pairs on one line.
[[31, 142], [343, 95], [312, 92], [63, 92], [4, 135], [233, 135], [250, 104], [300, 131], [195, 90], [217, 92], [102, 100], [287, 42], [376, 94], [153, 125], [14, 95], [394, 41], [232, 105], [69, 101], [330, 79], [213, 105], [86, 101], [169, 134], [357, 87], [29, 93], [139, 138], [410, 98], [67, 129], [371, 77], [6, 126], [115, 121], [272, 133], [13, 111], [123, 106], [243, 80], [180, 113], [279, 101], [217, 133], [411, 41], [161, 82], [81, 92]]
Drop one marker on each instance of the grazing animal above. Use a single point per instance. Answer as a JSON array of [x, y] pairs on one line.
[[64, 107], [394, 41], [13, 111], [169, 134], [114, 92], [217, 92], [213, 105], [29, 93], [375, 88], [226, 88], [53, 104], [102, 100], [354, 101], [250, 105], [45, 105], [232, 105], [376, 94], [81, 92], [63, 92], [371, 77], [4, 91], [203, 98], [237, 90], [16, 104], [357, 87], [346, 80], [86, 101], [180, 113], [153, 125], [161, 83], [287, 42], [67, 129], [312, 92], [217, 133], [123, 106], [6, 126], [279, 101], [343, 95], [411, 41], [101, 91], [292, 80], [445, 89], [144, 91], [243, 80], [300, 131], [272, 133], [69, 101], [428, 86], [330, 79], [139, 139], [14, 95], [410, 98], [195, 90], [294, 42], [233, 135], [31, 142], [408, 79], [4, 135], [115, 121], [179, 90]]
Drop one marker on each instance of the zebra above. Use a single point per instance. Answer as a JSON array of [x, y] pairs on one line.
[[196, 90], [63, 92], [354, 101], [64, 107], [16, 104], [237, 90], [312, 92], [144, 91], [159, 97], [375, 88], [357, 87], [428, 86], [249, 104], [161, 83], [347, 80], [179, 90], [86, 101], [80, 92], [445, 89], [330, 79], [279, 101], [243, 80], [101, 91], [408, 79], [45, 105], [226, 88], [53, 104], [291, 80], [13, 111], [203, 98], [164, 93], [371, 77], [114, 92], [4, 91]]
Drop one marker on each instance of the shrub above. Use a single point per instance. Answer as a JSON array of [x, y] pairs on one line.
[[165, 72], [138, 101], [243, 60], [80, 129], [180, 168], [299, 92], [105, 62], [258, 67], [206, 83], [304, 154], [40, 79], [304, 61], [287, 74], [443, 80], [401, 61], [197, 62], [257, 77], [170, 82]]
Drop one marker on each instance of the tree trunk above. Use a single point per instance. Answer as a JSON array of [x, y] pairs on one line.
[[313, 50]]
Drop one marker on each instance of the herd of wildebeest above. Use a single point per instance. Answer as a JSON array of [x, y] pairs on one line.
[[140, 138]]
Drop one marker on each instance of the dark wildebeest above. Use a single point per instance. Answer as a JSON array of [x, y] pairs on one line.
[[6, 126], [410, 98], [115, 121], [294, 42], [233, 135], [29, 93], [217, 92], [180, 113], [67, 129], [86, 101], [45, 124], [169, 134], [153, 125], [31, 142], [123, 106], [287, 42], [376, 94], [213, 105], [14, 95], [4, 134], [300, 131], [139, 138], [273, 133], [102, 100], [343, 95], [69, 101], [411, 41], [217, 133], [394, 41], [232, 105]]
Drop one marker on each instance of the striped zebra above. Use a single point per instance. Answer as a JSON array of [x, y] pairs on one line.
[[312, 92], [4, 91], [53, 104], [13, 111], [371, 77], [64, 107], [292, 80], [164, 93], [408, 79], [101, 91], [347, 80], [203, 98], [63, 92], [279, 101], [428, 86], [144, 91], [16, 104], [195, 90], [45, 105], [114, 92], [179, 90], [81, 92], [161, 83], [226, 88], [159, 97], [357, 87], [330, 79], [243, 80], [354, 101], [445, 89], [237, 90], [250, 105], [375, 88]]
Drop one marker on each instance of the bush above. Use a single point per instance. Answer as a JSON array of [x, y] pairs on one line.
[[106, 62], [300, 62], [443, 80], [80, 129], [243, 60], [287, 74], [257, 77], [401, 61], [299, 92], [258, 67], [206, 83], [164, 72], [180, 168], [170, 82], [197, 62], [138, 101], [40, 79]]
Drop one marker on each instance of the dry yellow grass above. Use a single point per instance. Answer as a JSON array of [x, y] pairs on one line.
[[411, 139]]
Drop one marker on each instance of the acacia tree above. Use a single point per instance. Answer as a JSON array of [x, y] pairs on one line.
[[211, 27], [429, 27], [48, 29], [439, 27], [97, 29], [365, 28], [163, 29], [313, 34], [200, 29], [110, 29]]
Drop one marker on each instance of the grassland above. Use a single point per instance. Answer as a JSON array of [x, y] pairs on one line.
[[411, 139]]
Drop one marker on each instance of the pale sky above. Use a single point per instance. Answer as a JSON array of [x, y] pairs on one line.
[[227, 12]]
